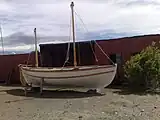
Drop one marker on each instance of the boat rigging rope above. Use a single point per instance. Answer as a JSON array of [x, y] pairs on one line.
[[94, 53], [90, 41], [78, 49], [94, 41], [29, 55], [39, 55], [79, 56], [28, 58], [67, 54]]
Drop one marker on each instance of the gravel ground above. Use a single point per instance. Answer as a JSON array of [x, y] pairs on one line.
[[116, 104]]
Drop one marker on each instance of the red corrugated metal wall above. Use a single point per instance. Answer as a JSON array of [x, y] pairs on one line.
[[124, 46], [9, 66]]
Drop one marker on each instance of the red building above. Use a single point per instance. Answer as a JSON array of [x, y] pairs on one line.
[[119, 50], [9, 71], [124, 47]]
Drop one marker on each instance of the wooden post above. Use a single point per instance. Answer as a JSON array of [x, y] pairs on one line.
[[36, 51], [73, 33], [2, 39], [41, 86], [25, 90]]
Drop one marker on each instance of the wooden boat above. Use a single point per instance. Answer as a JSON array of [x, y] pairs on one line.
[[94, 77]]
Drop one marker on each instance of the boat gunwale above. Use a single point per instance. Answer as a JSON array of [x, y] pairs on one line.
[[93, 74], [62, 70]]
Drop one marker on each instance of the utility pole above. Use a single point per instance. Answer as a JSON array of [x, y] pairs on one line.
[[2, 39]]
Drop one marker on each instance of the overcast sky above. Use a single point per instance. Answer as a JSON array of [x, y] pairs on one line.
[[103, 19]]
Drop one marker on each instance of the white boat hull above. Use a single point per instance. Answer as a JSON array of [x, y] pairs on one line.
[[91, 77]]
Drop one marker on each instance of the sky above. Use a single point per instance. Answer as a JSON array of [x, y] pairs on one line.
[[103, 19]]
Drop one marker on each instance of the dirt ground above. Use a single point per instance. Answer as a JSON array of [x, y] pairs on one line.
[[116, 104]]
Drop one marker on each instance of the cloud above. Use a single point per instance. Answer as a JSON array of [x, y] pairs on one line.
[[21, 38], [103, 18]]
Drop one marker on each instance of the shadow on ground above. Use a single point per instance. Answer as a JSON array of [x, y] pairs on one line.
[[12, 85], [127, 90], [63, 94]]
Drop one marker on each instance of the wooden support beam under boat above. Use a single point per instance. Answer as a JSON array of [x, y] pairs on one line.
[[41, 86]]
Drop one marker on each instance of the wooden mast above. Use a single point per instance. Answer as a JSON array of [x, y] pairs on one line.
[[73, 30], [36, 51]]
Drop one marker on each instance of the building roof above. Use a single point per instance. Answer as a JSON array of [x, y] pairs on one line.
[[132, 37], [85, 41]]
